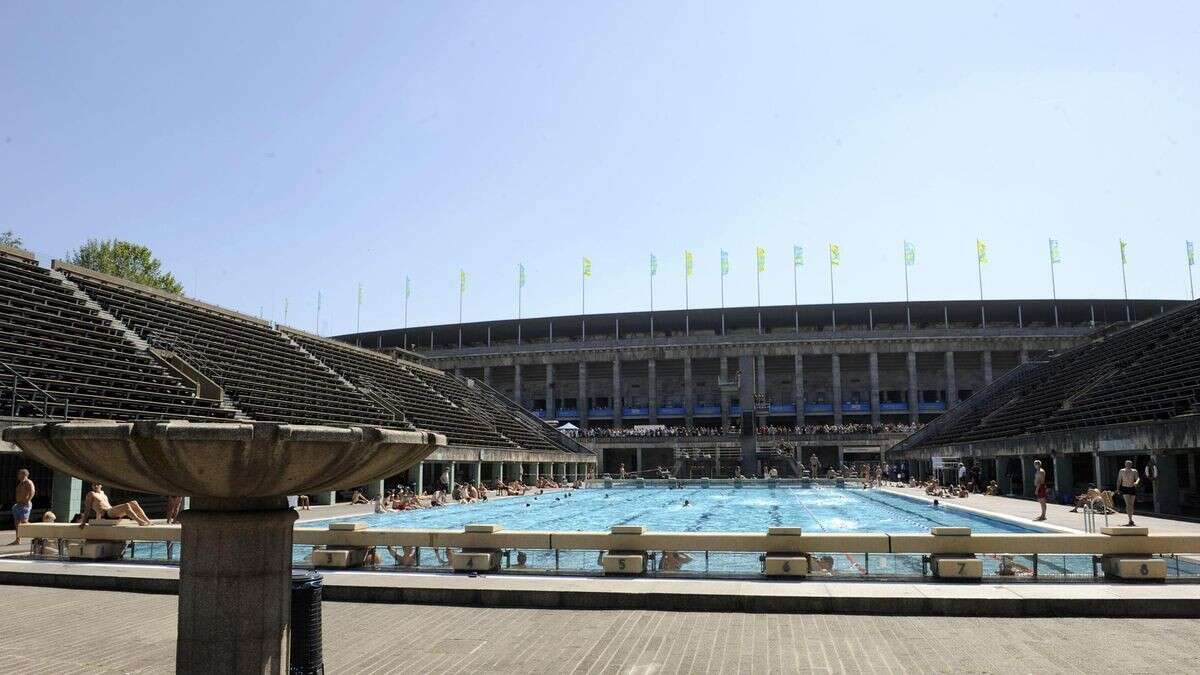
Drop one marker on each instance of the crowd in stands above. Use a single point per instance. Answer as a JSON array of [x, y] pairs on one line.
[[772, 430]]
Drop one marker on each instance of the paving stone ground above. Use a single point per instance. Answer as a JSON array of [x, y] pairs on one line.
[[49, 630]]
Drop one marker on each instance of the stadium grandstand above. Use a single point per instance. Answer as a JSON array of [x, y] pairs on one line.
[[1129, 393], [81, 344], [651, 391]]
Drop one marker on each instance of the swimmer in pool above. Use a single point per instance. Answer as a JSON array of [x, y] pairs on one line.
[[686, 503]]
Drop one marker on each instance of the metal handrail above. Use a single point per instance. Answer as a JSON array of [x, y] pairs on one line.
[[47, 397]]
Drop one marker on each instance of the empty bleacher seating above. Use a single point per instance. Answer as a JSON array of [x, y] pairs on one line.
[[67, 360], [1146, 372], [261, 371]]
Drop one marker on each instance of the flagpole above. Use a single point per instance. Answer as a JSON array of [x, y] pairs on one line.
[[722, 272], [832, 302], [758, 286], [318, 312], [461, 283], [652, 271], [1053, 284], [358, 312], [795, 293], [520, 290], [907, 304], [979, 270], [1124, 284], [687, 304], [1191, 263]]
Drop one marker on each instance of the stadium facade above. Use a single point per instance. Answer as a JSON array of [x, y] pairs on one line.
[[852, 378]]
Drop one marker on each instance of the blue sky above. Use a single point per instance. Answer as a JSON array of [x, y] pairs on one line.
[[273, 150]]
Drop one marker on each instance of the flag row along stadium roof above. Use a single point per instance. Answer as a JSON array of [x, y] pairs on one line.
[[1145, 373], [75, 343]]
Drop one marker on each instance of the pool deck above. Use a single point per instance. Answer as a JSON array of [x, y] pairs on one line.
[[53, 635], [1057, 515]]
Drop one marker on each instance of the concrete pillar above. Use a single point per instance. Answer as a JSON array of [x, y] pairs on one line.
[[498, 470], [374, 489], [873, 367], [652, 390], [535, 471], [638, 466], [478, 477], [416, 476], [836, 374], [235, 587], [760, 383], [1027, 473], [724, 396], [322, 498], [453, 478], [487, 375], [1064, 475], [987, 367], [689, 394], [951, 382], [748, 439], [66, 496], [841, 457], [1003, 477], [1098, 471], [618, 403], [551, 393], [583, 403], [914, 403], [1166, 486], [518, 391], [798, 387]]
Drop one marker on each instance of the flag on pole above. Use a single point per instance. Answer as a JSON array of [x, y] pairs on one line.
[[797, 256], [407, 287], [761, 255], [981, 251], [688, 260], [1124, 258], [587, 266], [1191, 254], [462, 281], [653, 264], [724, 262], [910, 254], [1055, 252], [521, 275], [835, 255]]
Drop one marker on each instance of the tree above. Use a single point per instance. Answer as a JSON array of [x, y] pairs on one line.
[[126, 260], [10, 238]]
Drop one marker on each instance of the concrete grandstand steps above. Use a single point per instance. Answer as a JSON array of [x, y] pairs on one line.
[[116, 323]]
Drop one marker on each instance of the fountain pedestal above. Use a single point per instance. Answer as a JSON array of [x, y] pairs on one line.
[[236, 549]]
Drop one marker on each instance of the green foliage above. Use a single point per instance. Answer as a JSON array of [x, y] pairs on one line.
[[10, 238], [126, 260]]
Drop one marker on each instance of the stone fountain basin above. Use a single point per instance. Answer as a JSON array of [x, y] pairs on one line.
[[223, 460]]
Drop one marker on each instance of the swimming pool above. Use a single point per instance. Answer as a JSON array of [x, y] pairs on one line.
[[815, 509]]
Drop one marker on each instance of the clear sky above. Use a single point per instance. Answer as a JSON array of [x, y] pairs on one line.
[[273, 150]]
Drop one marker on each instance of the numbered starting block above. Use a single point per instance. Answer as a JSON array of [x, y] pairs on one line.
[[340, 556], [1130, 567], [785, 565], [955, 565], [475, 560], [623, 562]]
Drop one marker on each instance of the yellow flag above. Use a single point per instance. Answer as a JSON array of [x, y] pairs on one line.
[[587, 266], [835, 255], [687, 263], [761, 255], [981, 251]]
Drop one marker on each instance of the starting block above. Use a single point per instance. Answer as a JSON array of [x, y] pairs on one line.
[[785, 565], [95, 550], [956, 566], [340, 556], [475, 560], [623, 562], [1133, 567]]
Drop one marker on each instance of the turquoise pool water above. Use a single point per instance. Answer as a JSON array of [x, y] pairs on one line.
[[816, 509]]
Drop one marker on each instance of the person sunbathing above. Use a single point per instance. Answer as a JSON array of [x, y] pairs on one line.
[[96, 504], [359, 498], [673, 561], [1093, 497]]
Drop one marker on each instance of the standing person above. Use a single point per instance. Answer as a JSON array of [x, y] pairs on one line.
[[962, 474], [1127, 485], [173, 505], [1039, 487], [446, 480], [22, 503]]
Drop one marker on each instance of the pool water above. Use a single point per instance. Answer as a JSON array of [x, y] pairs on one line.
[[816, 509]]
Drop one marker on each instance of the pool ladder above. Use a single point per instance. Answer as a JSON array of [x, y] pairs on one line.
[[1089, 518]]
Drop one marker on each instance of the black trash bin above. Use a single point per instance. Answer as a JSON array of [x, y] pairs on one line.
[[305, 650]]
